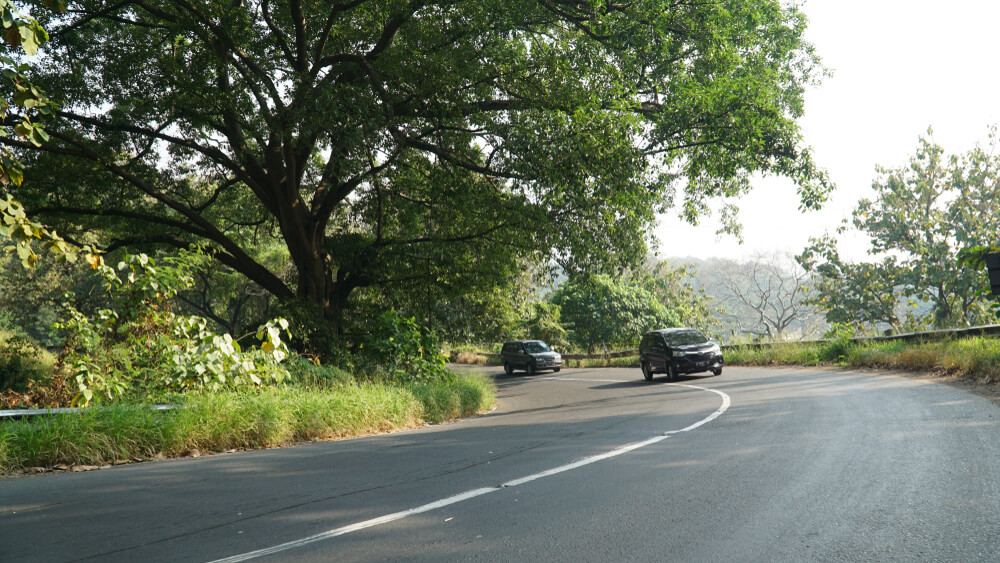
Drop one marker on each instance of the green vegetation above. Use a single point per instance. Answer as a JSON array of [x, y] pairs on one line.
[[623, 362], [138, 352], [229, 420], [604, 311], [22, 360]]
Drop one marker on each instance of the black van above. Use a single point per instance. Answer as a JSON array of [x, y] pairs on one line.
[[674, 351]]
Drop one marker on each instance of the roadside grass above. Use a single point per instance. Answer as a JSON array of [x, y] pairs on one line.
[[623, 362], [226, 421], [976, 358], [804, 354]]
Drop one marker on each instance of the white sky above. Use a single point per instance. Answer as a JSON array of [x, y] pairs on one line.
[[898, 66]]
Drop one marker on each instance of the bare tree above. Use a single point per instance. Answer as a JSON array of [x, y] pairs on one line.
[[765, 294]]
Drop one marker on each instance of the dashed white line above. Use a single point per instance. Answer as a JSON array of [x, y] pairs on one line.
[[485, 490]]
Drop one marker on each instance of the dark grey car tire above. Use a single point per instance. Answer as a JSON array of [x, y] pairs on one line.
[[717, 371], [531, 369], [556, 370], [671, 372], [507, 369], [647, 373]]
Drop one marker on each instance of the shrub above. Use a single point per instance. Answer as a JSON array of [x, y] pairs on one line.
[[311, 374], [21, 361], [139, 349], [839, 337], [401, 351]]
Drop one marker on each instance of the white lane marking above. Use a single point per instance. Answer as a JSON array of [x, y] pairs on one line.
[[726, 402], [557, 378]]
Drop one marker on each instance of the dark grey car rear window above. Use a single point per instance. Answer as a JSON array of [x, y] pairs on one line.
[[684, 338], [535, 347]]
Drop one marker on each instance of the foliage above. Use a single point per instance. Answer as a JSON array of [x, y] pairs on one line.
[[22, 102], [30, 299], [309, 373], [139, 348], [673, 289], [923, 215], [394, 144], [401, 351], [21, 361], [600, 310], [545, 325], [838, 343]]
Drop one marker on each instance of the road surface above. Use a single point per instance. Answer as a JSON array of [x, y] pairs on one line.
[[762, 464]]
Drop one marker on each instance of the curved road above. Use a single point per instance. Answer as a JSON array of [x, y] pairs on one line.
[[588, 464]]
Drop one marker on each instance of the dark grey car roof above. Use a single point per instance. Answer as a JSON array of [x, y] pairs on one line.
[[675, 329]]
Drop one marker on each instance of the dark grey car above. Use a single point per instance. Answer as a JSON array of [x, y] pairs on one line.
[[675, 351], [530, 355]]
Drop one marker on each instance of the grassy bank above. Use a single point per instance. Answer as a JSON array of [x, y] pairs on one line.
[[976, 358], [226, 421]]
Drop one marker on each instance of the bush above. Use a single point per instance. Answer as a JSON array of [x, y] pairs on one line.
[[400, 351], [139, 349], [839, 344], [22, 361], [447, 399], [310, 374]]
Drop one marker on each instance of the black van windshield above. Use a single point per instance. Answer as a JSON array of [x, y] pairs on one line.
[[535, 347], [684, 338]]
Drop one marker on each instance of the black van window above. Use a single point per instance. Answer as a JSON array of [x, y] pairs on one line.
[[684, 338]]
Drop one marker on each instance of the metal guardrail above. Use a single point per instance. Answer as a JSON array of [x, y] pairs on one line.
[[926, 336], [15, 414]]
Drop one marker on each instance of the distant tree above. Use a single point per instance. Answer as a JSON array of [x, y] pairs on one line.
[[673, 289], [400, 143], [771, 289], [545, 324], [922, 216], [603, 311], [864, 294]]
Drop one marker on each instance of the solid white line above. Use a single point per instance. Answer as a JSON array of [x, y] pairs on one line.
[[479, 492]]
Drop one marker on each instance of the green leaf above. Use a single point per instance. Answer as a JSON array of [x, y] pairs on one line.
[[29, 40]]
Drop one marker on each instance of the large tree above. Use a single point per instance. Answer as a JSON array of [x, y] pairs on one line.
[[921, 217], [376, 137]]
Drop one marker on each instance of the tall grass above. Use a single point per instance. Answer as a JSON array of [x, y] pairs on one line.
[[224, 421], [973, 358]]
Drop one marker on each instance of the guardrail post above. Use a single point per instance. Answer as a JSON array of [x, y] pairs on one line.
[[993, 270]]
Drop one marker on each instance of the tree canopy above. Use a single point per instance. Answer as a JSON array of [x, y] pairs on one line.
[[394, 142], [603, 311]]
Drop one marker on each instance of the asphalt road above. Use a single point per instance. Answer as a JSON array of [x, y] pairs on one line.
[[754, 465]]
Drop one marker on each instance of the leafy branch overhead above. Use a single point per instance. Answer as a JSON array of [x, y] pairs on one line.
[[398, 143], [23, 33]]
